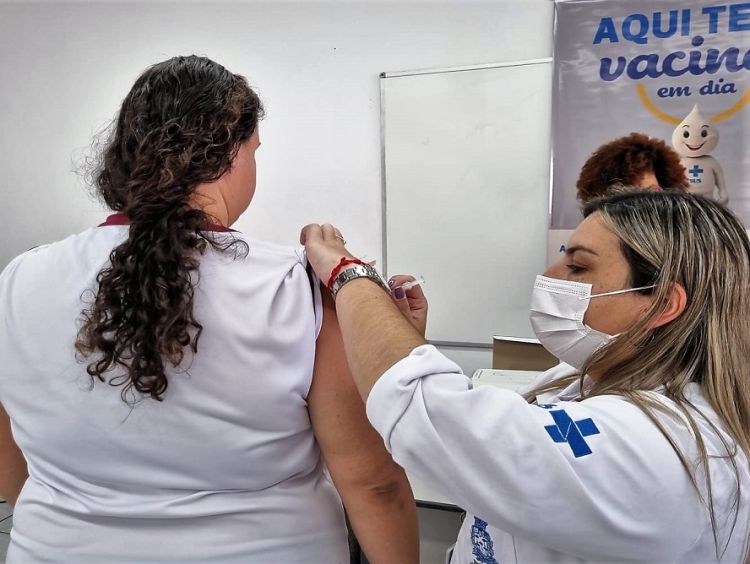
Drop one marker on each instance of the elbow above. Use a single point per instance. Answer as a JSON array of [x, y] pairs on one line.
[[393, 489], [386, 487]]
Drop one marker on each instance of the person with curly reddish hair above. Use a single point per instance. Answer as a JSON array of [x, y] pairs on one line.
[[635, 160], [178, 391]]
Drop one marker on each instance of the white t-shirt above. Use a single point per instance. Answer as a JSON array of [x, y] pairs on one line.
[[225, 470], [561, 481]]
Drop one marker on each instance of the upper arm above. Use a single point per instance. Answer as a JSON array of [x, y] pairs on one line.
[[353, 451], [719, 173]]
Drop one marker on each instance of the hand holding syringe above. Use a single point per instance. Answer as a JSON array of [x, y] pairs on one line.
[[413, 307]]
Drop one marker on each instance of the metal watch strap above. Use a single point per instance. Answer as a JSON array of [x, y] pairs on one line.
[[357, 271]]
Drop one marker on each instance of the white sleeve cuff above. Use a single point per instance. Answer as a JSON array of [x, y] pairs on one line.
[[392, 393]]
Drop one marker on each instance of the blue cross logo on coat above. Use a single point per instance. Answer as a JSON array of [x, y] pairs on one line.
[[565, 430]]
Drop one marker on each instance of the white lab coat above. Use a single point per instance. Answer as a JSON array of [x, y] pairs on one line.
[[561, 481]]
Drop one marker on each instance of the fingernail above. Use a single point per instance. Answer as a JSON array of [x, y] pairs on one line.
[[399, 293], [391, 282]]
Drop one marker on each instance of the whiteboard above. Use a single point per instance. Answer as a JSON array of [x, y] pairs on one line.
[[466, 157]]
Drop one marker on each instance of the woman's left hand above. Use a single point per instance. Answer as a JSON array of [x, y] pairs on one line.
[[324, 245], [411, 302]]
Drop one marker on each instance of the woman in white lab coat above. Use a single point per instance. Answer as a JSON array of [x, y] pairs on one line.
[[635, 449]]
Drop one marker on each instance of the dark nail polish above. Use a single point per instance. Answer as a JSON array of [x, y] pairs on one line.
[[399, 293], [391, 282]]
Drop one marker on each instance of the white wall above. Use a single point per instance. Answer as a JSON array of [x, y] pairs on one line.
[[65, 67]]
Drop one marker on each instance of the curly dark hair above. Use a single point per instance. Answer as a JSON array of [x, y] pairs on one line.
[[624, 161], [180, 126]]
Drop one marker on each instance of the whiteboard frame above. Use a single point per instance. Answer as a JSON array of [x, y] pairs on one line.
[[384, 202], [460, 69]]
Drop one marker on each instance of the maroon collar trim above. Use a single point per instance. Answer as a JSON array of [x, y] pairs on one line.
[[122, 219]]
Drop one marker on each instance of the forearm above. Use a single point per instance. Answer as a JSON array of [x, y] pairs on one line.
[[12, 479], [376, 335], [384, 520], [13, 471]]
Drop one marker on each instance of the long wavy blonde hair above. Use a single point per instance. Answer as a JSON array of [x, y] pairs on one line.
[[680, 238]]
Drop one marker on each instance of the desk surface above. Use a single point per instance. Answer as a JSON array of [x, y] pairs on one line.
[[424, 495], [516, 380], [507, 379]]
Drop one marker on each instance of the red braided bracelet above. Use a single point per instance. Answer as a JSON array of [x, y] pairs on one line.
[[336, 269]]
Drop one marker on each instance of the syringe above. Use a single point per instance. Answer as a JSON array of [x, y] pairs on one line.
[[410, 285]]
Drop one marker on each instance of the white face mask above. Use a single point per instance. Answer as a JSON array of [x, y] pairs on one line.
[[557, 310]]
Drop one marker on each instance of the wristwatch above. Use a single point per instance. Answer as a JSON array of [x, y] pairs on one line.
[[358, 271]]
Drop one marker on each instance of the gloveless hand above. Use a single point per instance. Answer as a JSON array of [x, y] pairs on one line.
[[412, 302], [324, 245]]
